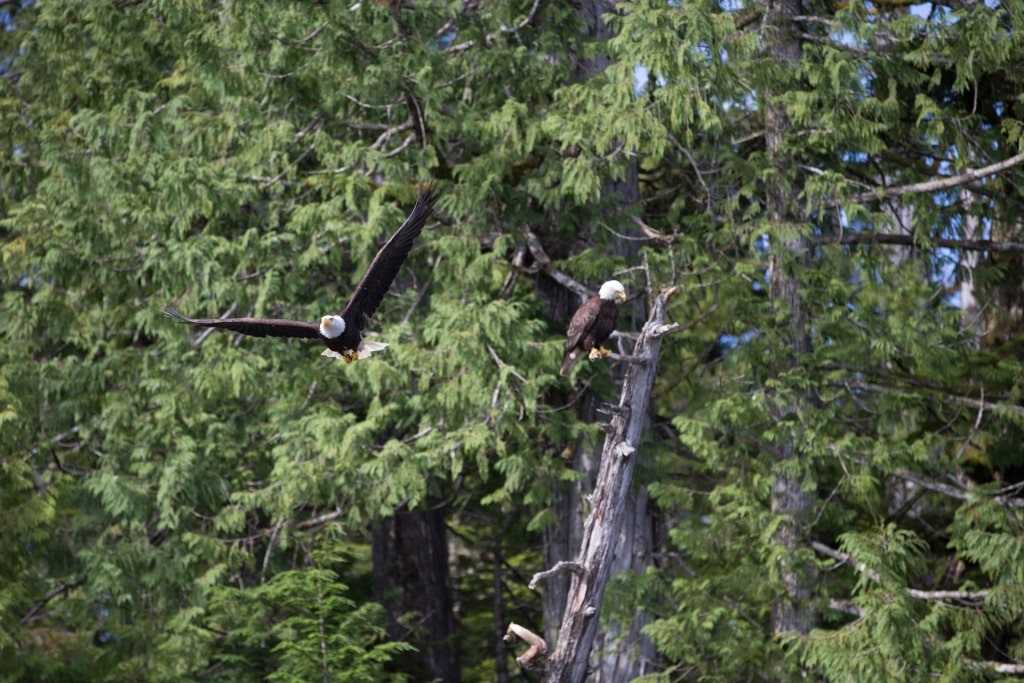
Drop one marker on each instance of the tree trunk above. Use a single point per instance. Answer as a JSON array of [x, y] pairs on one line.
[[617, 657], [789, 497], [608, 507], [410, 571], [623, 652]]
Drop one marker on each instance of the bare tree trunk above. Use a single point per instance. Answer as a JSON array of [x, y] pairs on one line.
[[789, 499], [608, 506]]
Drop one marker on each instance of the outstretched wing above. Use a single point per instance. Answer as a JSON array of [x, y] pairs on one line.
[[255, 327], [582, 320], [378, 277]]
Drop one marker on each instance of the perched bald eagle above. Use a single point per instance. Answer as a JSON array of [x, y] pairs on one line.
[[592, 324], [341, 333]]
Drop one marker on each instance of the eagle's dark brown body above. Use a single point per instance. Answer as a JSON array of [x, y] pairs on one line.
[[592, 324]]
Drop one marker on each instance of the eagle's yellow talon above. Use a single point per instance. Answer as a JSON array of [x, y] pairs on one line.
[[349, 356]]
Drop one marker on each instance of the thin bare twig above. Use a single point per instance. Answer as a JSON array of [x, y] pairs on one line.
[[319, 519], [405, 143], [502, 364], [270, 548], [389, 133]]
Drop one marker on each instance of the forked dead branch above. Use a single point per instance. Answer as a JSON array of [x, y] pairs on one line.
[[591, 571]]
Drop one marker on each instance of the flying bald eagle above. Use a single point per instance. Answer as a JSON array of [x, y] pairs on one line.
[[592, 324], [341, 333]]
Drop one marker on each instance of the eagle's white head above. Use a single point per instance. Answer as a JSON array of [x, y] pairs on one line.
[[612, 290], [332, 326]]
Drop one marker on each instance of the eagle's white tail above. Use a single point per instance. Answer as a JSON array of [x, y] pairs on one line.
[[366, 349]]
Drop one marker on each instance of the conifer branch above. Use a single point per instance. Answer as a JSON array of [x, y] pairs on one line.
[[319, 519], [502, 364], [294, 162], [913, 241], [846, 607], [966, 176], [544, 264], [693, 163], [422, 293], [45, 600], [963, 400], [201, 337], [409, 139], [489, 38], [270, 548], [56, 440], [955, 491], [846, 558], [525, 22]]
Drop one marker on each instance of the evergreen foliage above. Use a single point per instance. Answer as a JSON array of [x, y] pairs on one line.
[[180, 506]]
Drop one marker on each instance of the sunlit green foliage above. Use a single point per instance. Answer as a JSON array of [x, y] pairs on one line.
[[182, 506]]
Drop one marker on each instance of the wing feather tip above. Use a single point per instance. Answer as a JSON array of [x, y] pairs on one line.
[[171, 313]]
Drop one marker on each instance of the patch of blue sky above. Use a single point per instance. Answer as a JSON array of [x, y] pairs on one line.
[[731, 341], [641, 78]]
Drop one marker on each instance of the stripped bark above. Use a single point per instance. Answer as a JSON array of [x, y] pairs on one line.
[[608, 503]]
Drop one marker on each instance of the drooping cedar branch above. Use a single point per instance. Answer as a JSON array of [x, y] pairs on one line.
[[592, 570]]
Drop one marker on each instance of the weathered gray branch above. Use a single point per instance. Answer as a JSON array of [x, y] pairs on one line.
[[544, 264], [568, 661], [998, 667], [562, 566], [957, 492], [912, 241], [968, 175]]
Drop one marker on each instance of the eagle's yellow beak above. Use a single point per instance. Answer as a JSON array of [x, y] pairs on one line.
[[621, 296]]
